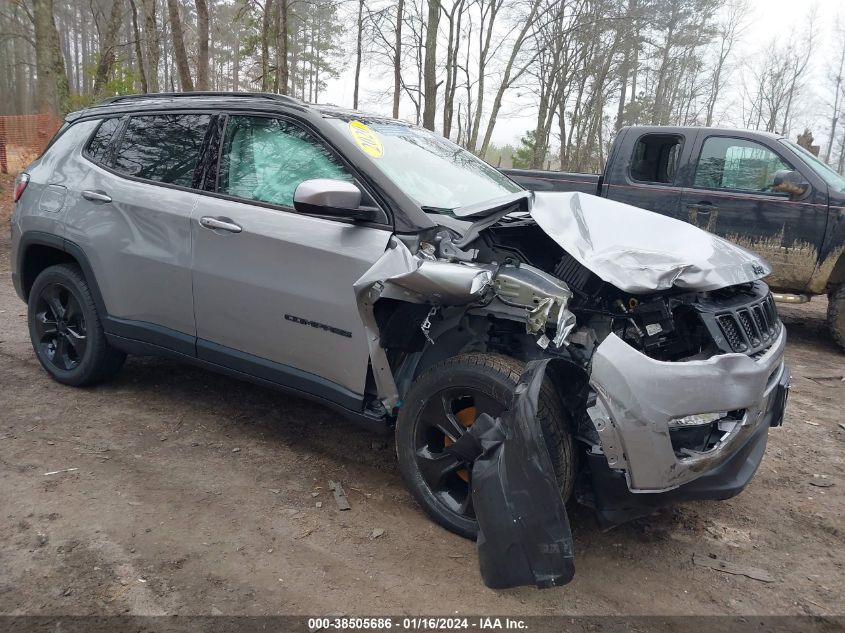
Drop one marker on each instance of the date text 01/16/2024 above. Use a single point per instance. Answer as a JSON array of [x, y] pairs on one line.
[[416, 623]]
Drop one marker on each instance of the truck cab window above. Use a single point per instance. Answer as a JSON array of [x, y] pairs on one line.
[[739, 165], [655, 158]]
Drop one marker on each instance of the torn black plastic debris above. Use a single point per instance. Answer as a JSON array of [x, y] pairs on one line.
[[524, 536]]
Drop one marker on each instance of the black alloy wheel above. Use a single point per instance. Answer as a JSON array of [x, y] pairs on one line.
[[445, 417], [65, 328], [60, 327]]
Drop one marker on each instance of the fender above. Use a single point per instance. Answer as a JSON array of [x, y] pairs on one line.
[[40, 238]]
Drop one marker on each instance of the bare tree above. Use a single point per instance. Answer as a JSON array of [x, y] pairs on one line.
[[52, 88], [179, 53], [108, 45], [430, 65], [202, 44], [838, 88], [359, 51], [730, 29], [152, 41]]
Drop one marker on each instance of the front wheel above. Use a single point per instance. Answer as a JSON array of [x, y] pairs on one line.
[[441, 404], [836, 315], [65, 329]]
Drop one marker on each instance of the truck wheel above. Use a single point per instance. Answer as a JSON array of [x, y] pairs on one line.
[[441, 404], [65, 329], [836, 315]]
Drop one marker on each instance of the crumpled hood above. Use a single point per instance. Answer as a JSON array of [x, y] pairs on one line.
[[639, 251]]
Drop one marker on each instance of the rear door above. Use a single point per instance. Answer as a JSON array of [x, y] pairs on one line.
[[650, 177], [273, 291], [729, 193], [132, 217]]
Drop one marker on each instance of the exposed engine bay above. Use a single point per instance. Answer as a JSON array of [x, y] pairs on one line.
[[663, 342]]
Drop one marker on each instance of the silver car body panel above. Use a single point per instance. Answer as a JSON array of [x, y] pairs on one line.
[[639, 251], [52, 185], [138, 246], [257, 290], [637, 397]]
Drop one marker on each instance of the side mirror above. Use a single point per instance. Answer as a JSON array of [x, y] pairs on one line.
[[791, 182], [333, 198]]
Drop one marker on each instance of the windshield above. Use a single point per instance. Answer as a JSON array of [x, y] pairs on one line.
[[821, 168], [437, 174]]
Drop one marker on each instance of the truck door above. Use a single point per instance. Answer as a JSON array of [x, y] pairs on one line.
[[649, 177], [729, 193]]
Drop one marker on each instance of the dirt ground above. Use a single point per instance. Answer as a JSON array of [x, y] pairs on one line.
[[197, 494]]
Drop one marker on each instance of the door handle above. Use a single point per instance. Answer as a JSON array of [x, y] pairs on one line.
[[703, 207], [217, 223], [96, 196]]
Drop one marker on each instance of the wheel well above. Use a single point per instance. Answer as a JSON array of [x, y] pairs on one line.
[[837, 275], [38, 257]]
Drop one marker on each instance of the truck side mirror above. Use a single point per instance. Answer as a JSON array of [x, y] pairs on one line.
[[789, 181], [332, 198]]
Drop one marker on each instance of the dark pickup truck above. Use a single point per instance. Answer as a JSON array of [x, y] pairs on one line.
[[758, 190]]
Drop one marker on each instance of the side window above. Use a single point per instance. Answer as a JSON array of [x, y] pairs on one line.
[[164, 148], [265, 159], [655, 158], [99, 143], [730, 163]]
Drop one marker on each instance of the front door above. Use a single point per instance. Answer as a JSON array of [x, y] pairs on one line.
[[273, 289], [730, 194]]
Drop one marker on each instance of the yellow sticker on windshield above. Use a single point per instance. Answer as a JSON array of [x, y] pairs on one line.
[[366, 139]]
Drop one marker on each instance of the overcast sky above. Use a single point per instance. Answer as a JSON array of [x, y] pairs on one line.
[[770, 19]]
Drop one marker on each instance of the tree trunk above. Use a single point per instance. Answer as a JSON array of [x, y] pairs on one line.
[[52, 90], [153, 50], [265, 45], [359, 47], [282, 48], [202, 44], [430, 64], [179, 53], [507, 78], [835, 116], [397, 59], [108, 46], [138, 52]]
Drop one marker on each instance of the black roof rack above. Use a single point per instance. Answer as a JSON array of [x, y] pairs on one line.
[[177, 95]]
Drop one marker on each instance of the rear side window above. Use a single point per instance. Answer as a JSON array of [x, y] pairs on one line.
[[656, 158], [99, 144], [164, 148]]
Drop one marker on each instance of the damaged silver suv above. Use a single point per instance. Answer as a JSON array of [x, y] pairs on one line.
[[381, 269]]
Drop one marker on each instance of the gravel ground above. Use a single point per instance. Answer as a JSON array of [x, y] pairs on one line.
[[197, 494]]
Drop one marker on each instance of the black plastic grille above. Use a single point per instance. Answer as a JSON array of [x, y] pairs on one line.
[[751, 328], [730, 329]]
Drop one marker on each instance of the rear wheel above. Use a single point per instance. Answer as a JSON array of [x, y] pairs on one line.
[[442, 403], [836, 315], [65, 329]]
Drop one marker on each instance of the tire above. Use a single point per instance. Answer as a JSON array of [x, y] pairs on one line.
[[65, 329], [836, 315], [490, 379]]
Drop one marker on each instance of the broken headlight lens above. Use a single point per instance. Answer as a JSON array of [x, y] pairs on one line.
[[698, 419]]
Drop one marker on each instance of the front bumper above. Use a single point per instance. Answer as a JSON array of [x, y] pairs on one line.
[[636, 397]]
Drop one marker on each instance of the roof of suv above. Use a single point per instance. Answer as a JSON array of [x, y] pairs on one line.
[[251, 100]]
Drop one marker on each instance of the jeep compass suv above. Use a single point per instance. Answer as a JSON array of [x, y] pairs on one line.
[[380, 269]]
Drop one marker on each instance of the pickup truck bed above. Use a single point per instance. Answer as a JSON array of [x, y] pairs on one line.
[[538, 180]]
